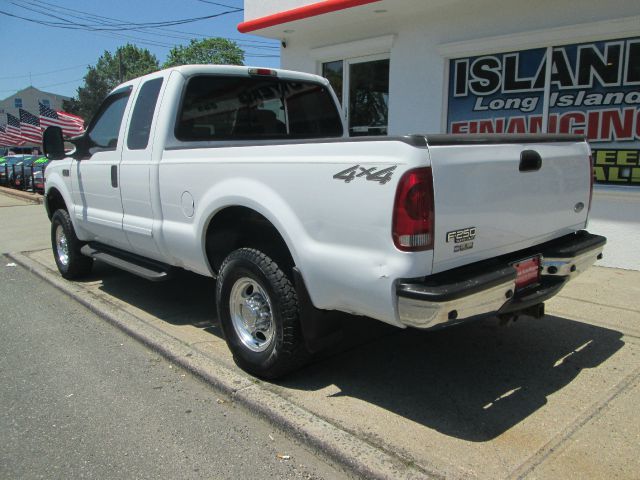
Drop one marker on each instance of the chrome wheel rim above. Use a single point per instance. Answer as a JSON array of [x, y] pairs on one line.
[[251, 314], [62, 246]]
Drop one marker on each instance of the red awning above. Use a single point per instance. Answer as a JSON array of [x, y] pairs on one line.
[[306, 11]]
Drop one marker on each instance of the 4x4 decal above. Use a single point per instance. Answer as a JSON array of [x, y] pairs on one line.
[[371, 174]]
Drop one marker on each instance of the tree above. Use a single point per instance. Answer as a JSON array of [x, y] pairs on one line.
[[125, 63], [218, 51]]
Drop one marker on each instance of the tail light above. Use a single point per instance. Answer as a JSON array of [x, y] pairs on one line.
[[413, 214], [591, 181]]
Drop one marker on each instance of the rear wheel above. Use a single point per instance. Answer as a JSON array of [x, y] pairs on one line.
[[259, 314], [66, 247]]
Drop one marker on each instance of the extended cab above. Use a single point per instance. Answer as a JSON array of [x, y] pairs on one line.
[[247, 175]]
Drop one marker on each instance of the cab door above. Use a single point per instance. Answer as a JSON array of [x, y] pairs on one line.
[[95, 186], [137, 171]]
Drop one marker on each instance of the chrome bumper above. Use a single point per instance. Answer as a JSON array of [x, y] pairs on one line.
[[425, 314], [571, 267], [502, 297]]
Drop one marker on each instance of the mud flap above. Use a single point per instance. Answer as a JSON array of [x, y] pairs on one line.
[[321, 329]]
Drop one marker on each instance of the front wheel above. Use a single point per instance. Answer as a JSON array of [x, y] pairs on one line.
[[66, 247], [259, 314]]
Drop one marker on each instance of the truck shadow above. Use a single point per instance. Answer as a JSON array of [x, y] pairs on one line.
[[473, 382], [185, 299]]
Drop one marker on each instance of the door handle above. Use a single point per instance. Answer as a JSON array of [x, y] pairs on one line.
[[114, 176], [530, 161]]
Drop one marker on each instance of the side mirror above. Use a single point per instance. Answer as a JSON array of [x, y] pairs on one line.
[[83, 144], [53, 143]]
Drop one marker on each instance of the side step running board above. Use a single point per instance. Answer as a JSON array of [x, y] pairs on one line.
[[140, 266]]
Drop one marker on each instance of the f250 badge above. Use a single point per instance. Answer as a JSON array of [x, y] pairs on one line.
[[462, 238], [371, 174]]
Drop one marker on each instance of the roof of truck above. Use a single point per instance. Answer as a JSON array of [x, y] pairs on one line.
[[191, 70]]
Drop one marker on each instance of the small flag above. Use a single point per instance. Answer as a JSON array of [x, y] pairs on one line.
[[71, 125], [13, 130], [48, 117], [74, 125], [5, 140], [30, 127]]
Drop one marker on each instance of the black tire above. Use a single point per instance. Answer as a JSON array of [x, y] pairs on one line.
[[76, 264], [286, 350]]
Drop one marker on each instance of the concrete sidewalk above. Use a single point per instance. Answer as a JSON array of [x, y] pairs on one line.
[[550, 398], [20, 194]]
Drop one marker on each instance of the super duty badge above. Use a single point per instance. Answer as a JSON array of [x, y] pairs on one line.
[[462, 238]]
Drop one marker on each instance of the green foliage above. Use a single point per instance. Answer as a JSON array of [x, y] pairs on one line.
[[219, 51], [126, 63], [129, 61]]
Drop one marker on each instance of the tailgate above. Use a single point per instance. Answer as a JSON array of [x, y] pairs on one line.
[[491, 198]]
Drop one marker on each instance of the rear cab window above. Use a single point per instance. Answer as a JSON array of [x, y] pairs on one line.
[[142, 116], [255, 108]]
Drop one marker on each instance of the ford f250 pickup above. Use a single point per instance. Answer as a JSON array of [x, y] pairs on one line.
[[247, 175]]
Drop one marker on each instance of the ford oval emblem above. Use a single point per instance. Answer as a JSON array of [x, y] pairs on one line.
[[578, 207]]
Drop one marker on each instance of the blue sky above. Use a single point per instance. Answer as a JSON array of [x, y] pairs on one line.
[[56, 59]]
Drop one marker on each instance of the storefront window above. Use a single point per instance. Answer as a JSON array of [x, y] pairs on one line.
[[364, 82], [369, 98], [591, 89]]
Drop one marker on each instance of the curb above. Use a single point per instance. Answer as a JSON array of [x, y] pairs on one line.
[[28, 196], [342, 447]]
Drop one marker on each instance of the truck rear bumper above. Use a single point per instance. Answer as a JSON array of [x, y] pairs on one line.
[[489, 287]]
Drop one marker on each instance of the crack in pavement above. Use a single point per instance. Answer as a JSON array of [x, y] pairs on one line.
[[561, 437]]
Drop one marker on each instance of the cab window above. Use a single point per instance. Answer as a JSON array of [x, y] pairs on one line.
[[105, 126], [140, 127]]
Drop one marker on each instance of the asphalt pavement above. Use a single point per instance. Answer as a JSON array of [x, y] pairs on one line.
[[81, 399]]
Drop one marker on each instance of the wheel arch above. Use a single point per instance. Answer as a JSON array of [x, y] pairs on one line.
[[238, 226], [54, 200], [232, 228]]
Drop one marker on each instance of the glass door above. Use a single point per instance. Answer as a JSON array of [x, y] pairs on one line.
[[367, 92], [362, 87]]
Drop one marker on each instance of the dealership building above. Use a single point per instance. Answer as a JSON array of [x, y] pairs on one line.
[[485, 66]]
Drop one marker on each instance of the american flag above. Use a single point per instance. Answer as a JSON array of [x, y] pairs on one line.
[[30, 127], [13, 130], [49, 117], [5, 140], [74, 125], [71, 125]]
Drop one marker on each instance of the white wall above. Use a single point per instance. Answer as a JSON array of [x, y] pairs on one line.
[[615, 213]]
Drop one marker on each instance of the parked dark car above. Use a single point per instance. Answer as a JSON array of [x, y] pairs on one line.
[[22, 172], [4, 151], [6, 168], [14, 167], [35, 181]]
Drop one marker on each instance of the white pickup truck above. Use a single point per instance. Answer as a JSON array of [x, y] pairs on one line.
[[246, 175]]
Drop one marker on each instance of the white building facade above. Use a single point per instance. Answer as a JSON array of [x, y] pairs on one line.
[[484, 66]]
